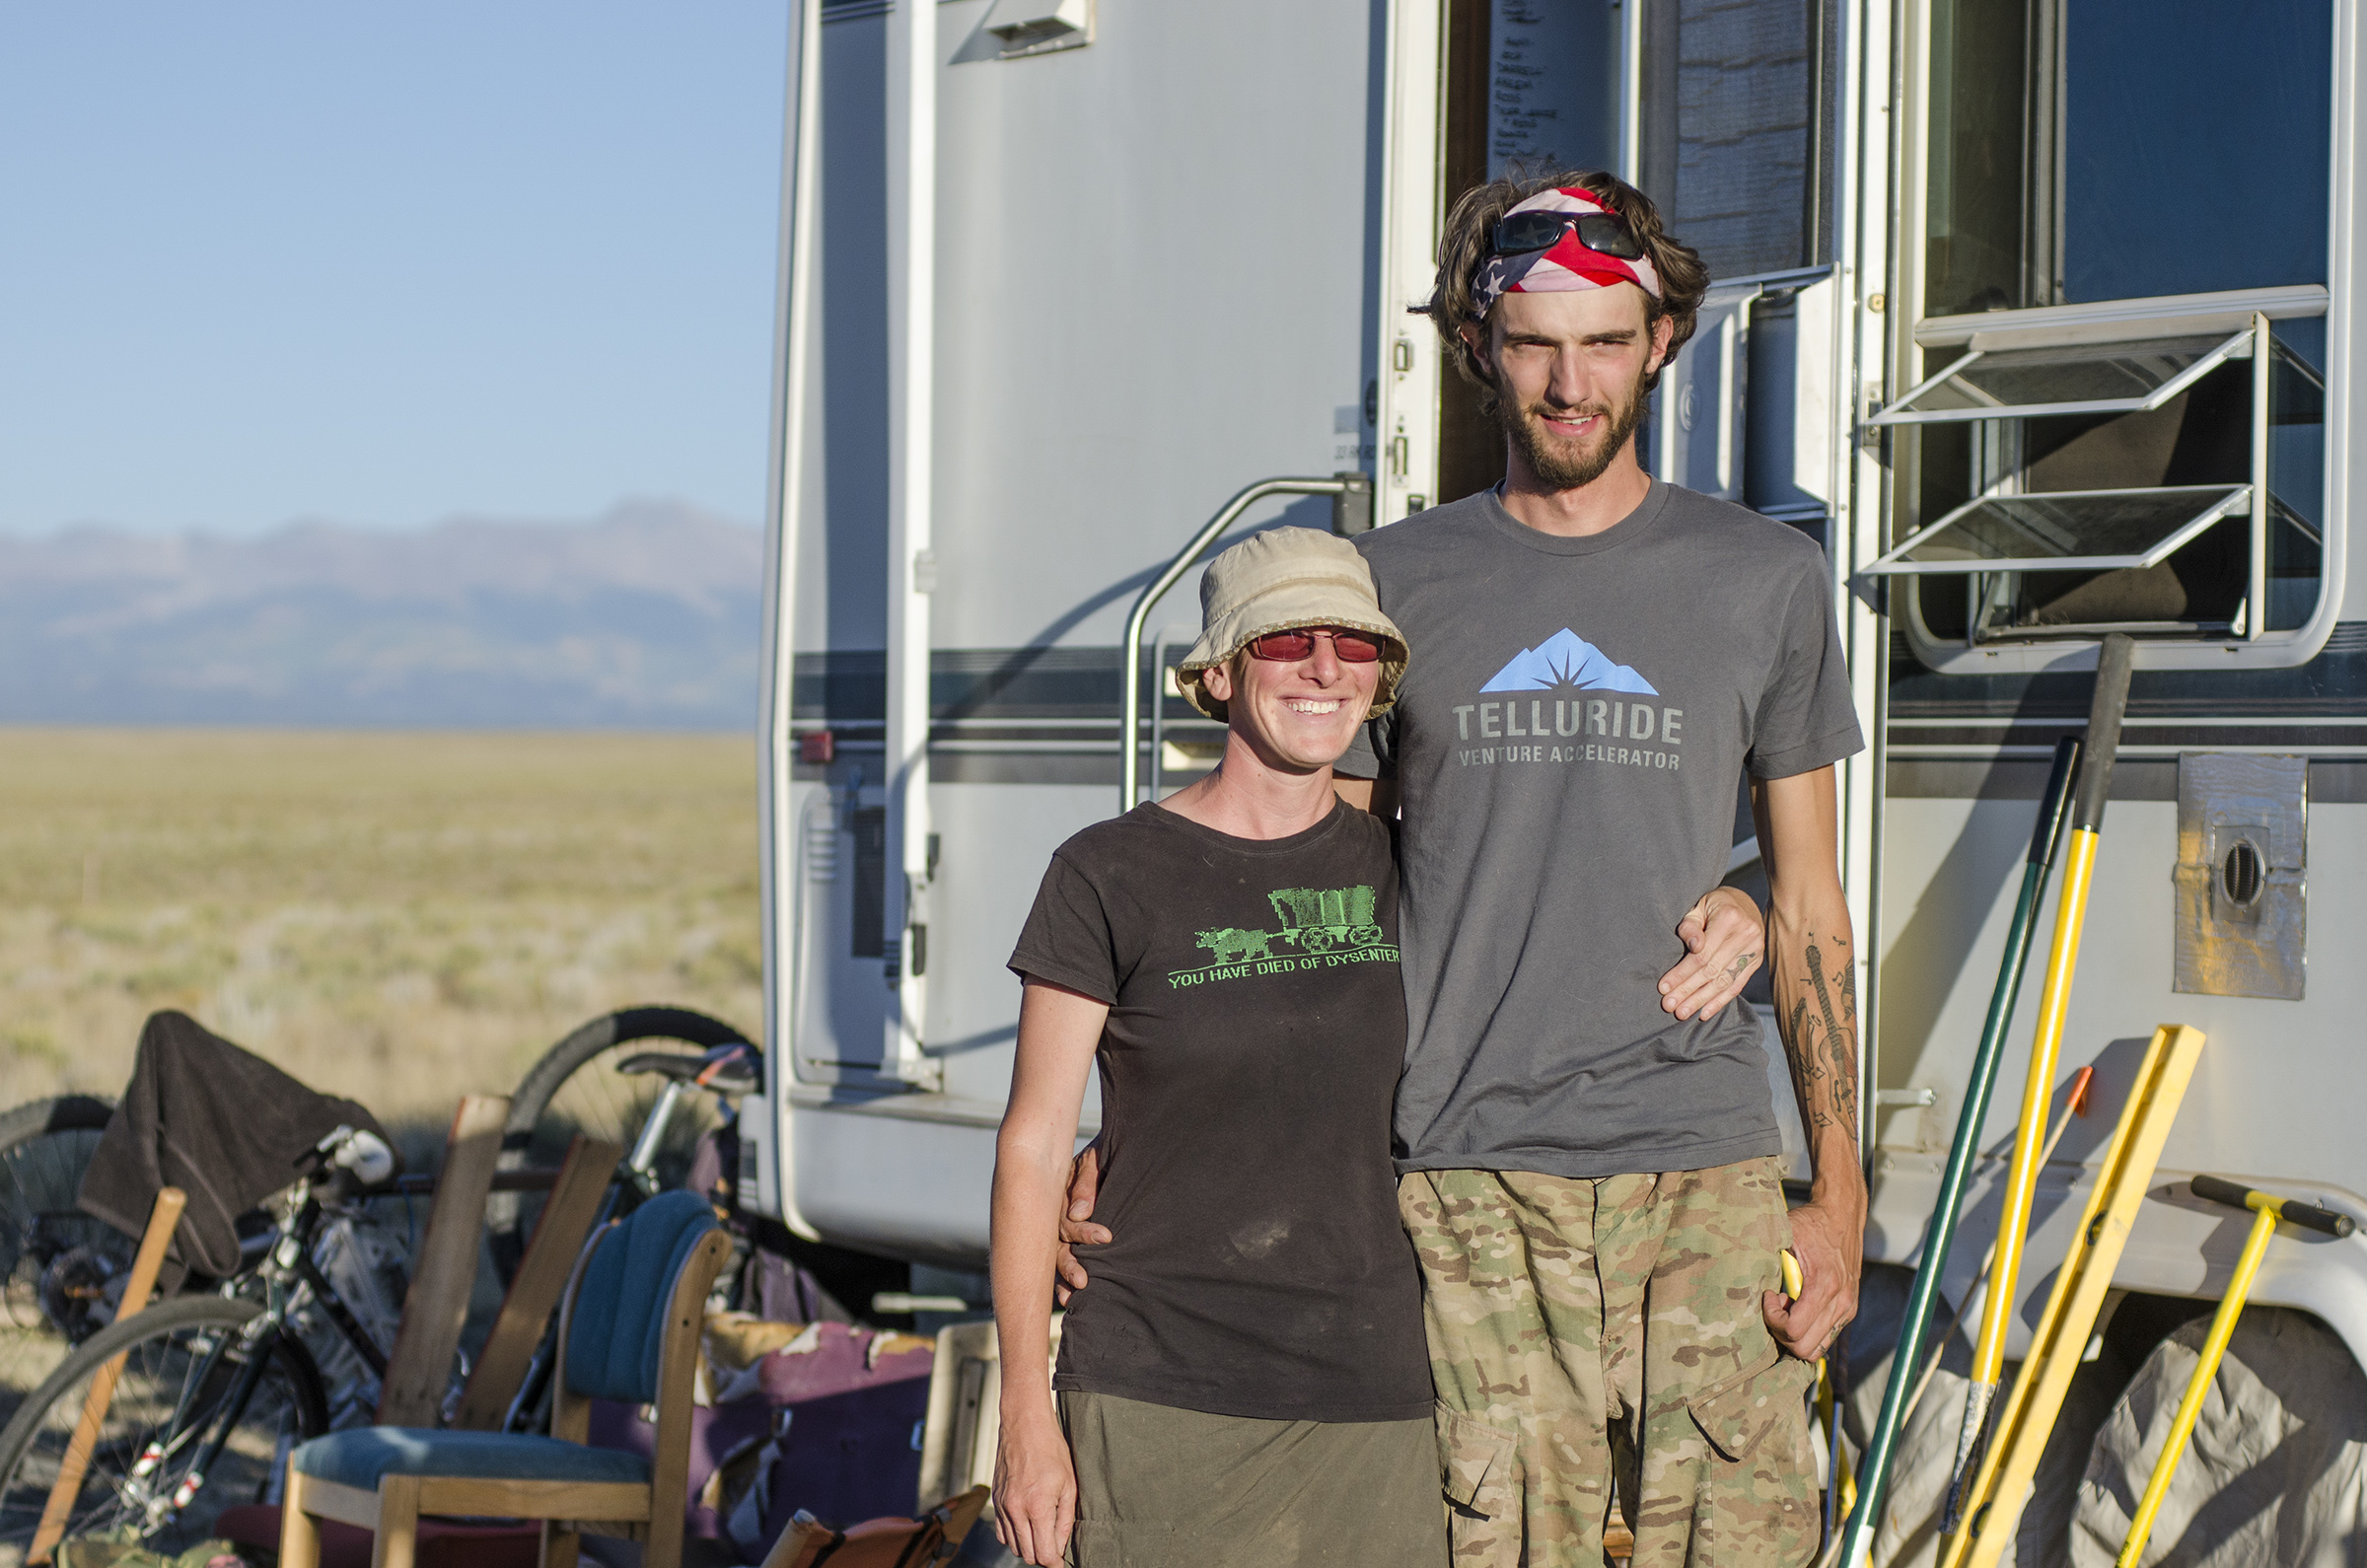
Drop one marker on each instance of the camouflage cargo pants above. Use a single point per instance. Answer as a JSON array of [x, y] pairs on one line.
[[1579, 1327]]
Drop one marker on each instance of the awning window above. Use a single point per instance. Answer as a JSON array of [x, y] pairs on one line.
[[1993, 383], [2075, 530]]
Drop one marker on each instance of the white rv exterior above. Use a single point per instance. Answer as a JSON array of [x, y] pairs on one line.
[[1060, 276]]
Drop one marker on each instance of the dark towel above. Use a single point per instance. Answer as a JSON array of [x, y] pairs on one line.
[[219, 1123]]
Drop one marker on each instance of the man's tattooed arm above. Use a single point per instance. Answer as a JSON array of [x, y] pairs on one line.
[[1816, 993], [1812, 962], [1811, 959]]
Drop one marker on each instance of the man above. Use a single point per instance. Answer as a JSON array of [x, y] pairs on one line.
[[1592, 1181]]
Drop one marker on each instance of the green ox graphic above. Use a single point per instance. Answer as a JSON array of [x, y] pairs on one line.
[[1317, 920]]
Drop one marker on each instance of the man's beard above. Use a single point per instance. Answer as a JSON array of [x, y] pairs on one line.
[[1558, 464]]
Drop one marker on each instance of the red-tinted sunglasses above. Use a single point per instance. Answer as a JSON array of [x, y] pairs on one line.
[[1288, 647]]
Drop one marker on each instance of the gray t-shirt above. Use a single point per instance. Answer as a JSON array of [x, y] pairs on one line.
[[1568, 742]]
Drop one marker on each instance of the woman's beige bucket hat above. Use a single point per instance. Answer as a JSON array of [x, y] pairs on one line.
[[1282, 579]]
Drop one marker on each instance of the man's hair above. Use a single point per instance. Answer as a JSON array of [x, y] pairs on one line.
[[1468, 241]]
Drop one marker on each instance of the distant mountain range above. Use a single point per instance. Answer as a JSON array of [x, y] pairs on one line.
[[648, 617]]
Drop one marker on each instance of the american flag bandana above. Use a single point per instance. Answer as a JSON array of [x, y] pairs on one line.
[[1565, 267]]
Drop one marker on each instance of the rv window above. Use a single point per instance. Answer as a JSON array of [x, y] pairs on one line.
[[2163, 99], [2048, 484], [2058, 129], [2087, 378], [2133, 508], [2072, 531]]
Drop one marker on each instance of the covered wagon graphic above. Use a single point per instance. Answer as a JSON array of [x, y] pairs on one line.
[[1320, 920], [1315, 920]]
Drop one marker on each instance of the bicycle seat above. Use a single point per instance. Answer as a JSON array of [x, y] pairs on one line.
[[733, 1069]]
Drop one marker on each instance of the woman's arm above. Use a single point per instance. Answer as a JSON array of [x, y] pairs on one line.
[[1034, 1482]]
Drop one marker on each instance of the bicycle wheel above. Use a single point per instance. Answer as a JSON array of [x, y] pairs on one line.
[[576, 1089], [183, 1361], [53, 1257]]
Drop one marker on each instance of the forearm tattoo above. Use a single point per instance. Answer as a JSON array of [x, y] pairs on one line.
[[1819, 1033]]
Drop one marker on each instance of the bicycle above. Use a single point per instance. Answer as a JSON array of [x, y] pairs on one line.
[[581, 1086], [215, 1388], [727, 1072], [587, 1082], [57, 1262]]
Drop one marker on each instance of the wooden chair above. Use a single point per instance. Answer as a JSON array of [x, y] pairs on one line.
[[630, 1332]]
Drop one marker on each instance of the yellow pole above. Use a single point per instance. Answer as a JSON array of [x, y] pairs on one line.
[[2021, 1174], [2106, 705], [2268, 1208], [2214, 1346], [2022, 1177], [1991, 1500]]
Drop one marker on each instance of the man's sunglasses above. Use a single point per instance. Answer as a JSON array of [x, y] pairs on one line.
[[1288, 647], [1599, 232]]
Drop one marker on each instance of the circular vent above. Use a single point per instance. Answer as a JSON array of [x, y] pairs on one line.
[[2240, 873]]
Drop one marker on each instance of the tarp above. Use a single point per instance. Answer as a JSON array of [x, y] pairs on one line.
[[2276, 1471]]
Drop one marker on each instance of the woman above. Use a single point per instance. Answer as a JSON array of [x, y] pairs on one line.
[[1247, 1381]]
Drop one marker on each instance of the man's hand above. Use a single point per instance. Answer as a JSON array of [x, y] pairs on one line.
[[1828, 1239], [1724, 941], [1076, 1222]]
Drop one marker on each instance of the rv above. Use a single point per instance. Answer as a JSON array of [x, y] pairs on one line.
[[2037, 314]]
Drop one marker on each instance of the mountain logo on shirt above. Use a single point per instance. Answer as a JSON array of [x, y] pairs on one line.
[[1567, 661]]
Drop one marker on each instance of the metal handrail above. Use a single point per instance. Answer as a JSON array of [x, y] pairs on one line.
[[1129, 768]]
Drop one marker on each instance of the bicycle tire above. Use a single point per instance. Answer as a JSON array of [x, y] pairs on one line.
[[45, 1147], [164, 1346], [566, 1092]]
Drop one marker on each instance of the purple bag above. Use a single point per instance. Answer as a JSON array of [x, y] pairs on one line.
[[842, 1419]]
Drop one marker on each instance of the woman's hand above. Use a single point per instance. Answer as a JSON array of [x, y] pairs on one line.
[[1724, 937], [1035, 1484], [1035, 1490]]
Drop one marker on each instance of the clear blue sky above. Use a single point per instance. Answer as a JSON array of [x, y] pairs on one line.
[[382, 264]]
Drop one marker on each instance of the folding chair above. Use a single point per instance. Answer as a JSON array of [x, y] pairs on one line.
[[629, 1332]]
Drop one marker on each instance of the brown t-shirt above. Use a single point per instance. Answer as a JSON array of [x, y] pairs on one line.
[[1257, 1027]]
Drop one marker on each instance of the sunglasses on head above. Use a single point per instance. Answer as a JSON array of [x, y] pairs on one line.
[[1599, 232], [1287, 647]]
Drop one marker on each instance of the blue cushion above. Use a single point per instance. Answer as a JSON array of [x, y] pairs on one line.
[[619, 1323], [359, 1457]]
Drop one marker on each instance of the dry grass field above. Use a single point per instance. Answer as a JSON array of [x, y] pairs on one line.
[[398, 917]]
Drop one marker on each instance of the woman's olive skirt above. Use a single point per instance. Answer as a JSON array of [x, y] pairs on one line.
[[1158, 1488]]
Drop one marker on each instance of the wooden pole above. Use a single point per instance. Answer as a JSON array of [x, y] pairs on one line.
[[444, 1268], [163, 1220]]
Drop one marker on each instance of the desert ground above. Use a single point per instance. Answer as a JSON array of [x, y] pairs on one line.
[[401, 918], [396, 917]]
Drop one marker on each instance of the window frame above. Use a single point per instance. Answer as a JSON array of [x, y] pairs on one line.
[[1912, 333], [1901, 410], [2229, 498]]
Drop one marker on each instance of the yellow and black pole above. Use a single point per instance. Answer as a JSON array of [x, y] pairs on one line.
[[2105, 708], [2266, 1208]]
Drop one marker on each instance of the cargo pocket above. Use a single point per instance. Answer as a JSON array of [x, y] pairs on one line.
[[1476, 1463], [1759, 1481]]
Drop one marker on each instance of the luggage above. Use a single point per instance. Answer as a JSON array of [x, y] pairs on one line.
[[923, 1542]]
